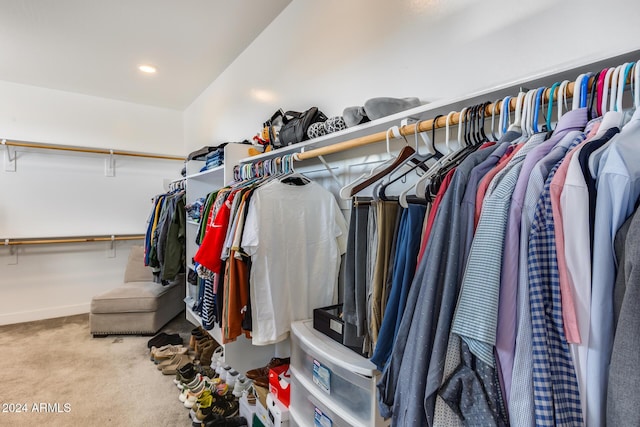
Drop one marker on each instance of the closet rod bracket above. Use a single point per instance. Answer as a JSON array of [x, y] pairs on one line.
[[111, 253], [9, 159], [110, 165], [326, 165], [13, 253]]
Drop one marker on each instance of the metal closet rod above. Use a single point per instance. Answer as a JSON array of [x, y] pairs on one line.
[[39, 145], [71, 239], [410, 129]]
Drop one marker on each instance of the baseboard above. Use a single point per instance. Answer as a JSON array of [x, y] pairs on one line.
[[42, 314]]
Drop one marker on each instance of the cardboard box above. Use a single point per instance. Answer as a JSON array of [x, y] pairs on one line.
[[280, 384]]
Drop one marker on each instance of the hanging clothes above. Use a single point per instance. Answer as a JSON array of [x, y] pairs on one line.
[[289, 277]]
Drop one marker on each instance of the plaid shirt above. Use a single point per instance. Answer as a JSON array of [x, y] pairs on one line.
[[555, 387]]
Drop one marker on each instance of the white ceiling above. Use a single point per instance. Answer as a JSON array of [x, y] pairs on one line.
[[95, 46]]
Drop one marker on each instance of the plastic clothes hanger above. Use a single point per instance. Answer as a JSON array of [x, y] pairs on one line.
[[493, 118], [600, 90], [536, 110], [346, 191], [291, 176], [575, 104], [504, 114], [562, 98], [380, 190], [636, 96], [421, 185], [605, 91], [593, 95], [518, 114], [481, 119], [614, 88], [622, 81], [552, 91]]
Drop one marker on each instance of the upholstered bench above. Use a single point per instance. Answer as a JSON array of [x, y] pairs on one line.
[[139, 306]]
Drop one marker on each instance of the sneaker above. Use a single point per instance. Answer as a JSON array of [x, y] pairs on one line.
[[232, 376], [225, 373], [163, 339], [264, 371], [167, 352], [242, 384], [216, 407], [194, 395], [186, 374]]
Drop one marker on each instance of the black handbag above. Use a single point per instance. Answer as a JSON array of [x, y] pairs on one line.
[[294, 129]]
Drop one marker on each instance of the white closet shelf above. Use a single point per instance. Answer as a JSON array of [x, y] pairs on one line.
[[192, 222], [218, 170]]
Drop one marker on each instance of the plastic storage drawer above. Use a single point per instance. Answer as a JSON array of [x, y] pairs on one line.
[[311, 411], [347, 378]]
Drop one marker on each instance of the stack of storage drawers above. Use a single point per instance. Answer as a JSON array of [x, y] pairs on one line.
[[330, 384]]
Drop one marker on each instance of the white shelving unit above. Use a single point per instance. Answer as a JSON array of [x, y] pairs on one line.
[[239, 354]]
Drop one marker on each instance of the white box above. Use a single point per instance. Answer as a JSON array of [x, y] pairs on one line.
[[246, 410], [278, 413], [263, 414]]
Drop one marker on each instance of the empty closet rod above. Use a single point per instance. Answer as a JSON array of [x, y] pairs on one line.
[[26, 144], [410, 129], [71, 239]]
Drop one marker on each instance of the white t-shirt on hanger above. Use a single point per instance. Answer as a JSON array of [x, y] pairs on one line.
[[295, 236]]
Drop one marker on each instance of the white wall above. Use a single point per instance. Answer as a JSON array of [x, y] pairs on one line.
[[55, 193], [336, 54]]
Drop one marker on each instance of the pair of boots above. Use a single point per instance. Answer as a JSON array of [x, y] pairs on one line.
[[203, 345]]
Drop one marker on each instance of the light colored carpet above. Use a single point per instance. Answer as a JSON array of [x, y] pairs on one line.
[[63, 377]]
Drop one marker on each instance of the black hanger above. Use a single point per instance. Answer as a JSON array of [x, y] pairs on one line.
[[483, 136], [592, 95]]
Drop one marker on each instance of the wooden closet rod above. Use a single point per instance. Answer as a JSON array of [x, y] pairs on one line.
[[71, 239], [410, 129], [26, 144]]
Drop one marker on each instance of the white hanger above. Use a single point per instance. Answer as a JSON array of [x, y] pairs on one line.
[[614, 88], [622, 81], [527, 114], [416, 154], [518, 115], [562, 98], [495, 136], [576, 92], [636, 80], [345, 192]]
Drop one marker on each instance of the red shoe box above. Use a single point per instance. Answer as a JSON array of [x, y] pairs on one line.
[[280, 384]]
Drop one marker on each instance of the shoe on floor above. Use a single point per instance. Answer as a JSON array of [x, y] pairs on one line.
[[167, 352], [264, 371], [163, 339]]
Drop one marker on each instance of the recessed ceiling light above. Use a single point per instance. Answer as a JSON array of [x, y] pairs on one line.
[[149, 69]]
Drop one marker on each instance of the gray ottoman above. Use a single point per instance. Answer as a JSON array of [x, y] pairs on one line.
[[139, 306]]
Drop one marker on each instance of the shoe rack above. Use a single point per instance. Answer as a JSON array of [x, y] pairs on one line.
[[241, 354]]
